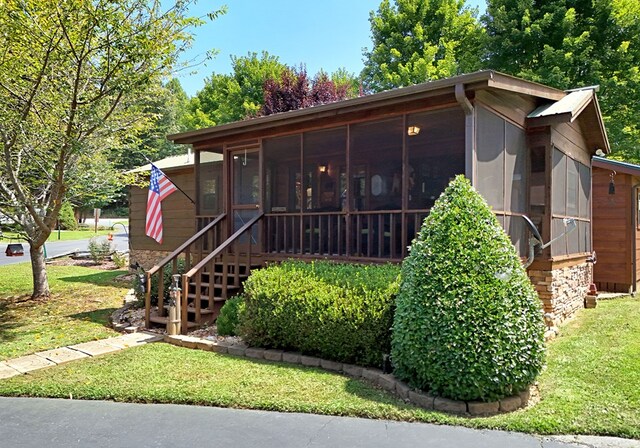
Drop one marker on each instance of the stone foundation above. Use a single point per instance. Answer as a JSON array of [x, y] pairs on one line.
[[146, 258], [562, 289]]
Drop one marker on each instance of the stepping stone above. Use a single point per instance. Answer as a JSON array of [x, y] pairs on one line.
[[62, 355], [6, 371], [95, 348], [133, 339], [29, 363]]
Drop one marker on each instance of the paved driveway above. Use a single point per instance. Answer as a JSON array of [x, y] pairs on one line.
[[37, 423]]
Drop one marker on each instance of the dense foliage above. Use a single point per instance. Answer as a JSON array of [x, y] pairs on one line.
[[336, 311], [228, 320], [66, 218], [76, 77], [468, 323], [416, 41], [575, 43], [293, 90]]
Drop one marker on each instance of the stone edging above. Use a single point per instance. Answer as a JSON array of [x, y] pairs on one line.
[[385, 381]]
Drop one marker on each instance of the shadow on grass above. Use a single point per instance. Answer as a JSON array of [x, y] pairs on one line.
[[6, 324], [101, 317], [102, 278]]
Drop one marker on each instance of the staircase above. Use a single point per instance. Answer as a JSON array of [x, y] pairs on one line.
[[214, 273]]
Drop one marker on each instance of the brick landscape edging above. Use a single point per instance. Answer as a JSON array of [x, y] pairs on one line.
[[383, 380]]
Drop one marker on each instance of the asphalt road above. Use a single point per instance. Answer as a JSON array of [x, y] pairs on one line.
[[37, 423], [55, 248]]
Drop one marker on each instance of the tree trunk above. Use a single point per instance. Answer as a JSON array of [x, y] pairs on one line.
[[38, 268]]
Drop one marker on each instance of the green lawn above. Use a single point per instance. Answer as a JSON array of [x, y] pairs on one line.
[[78, 310], [66, 235], [591, 384]]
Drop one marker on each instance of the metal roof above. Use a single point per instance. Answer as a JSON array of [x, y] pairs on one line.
[[572, 104], [179, 161]]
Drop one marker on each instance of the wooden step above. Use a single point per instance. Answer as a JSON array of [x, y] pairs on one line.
[[163, 321], [204, 297], [215, 285], [192, 309]]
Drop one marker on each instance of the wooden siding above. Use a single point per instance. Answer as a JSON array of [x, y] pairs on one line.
[[614, 228], [178, 214], [569, 139]]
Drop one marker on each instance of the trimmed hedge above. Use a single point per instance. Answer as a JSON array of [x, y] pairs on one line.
[[468, 323], [336, 311]]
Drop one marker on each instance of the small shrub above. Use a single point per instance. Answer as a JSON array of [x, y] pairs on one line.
[[119, 259], [342, 312], [100, 248], [227, 322], [67, 218], [468, 323]]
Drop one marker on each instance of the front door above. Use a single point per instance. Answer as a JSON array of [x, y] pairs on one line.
[[246, 194]]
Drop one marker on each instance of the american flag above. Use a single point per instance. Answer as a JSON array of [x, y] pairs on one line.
[[159, 188]]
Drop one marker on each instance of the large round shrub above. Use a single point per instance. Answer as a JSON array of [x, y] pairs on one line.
[[468, 323]]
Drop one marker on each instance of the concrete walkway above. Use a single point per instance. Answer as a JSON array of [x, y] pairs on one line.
[[48, 358]]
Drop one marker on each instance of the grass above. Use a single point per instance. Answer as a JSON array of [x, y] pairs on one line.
[[591, 384], [82, 301], [66, 235]]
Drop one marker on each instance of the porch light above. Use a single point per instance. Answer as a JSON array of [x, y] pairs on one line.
[[413, 130], [612, 185], [322, 168]]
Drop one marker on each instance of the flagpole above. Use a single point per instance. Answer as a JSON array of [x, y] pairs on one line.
[[174, 184]]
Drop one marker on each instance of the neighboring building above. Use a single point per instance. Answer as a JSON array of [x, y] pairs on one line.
[[353, 180], [616, 225]]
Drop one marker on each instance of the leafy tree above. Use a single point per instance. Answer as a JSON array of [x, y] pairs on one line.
[[574, 43], [293, 90], [419, 40], [468, 322], [74, 78], [227, 98]]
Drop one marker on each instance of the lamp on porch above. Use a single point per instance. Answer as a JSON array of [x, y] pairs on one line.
[[322, 168], [413, 130]]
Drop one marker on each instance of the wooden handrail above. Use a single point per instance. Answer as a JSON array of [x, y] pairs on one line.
[[186, 244], [172, 257], [223, 246]]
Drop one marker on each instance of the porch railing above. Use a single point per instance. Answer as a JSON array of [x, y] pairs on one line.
[[191, 251], [218, 273], [382, 234]]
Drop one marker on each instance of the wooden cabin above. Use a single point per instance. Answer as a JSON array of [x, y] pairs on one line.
[[353, 181], [616, 225]]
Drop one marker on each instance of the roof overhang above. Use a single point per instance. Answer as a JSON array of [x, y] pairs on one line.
[[616, 165], [576, 104], [473, 81]]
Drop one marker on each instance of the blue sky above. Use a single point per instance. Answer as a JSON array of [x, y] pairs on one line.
[[327, 34]]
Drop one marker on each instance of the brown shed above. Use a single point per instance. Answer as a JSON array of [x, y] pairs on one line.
[[616, 225]]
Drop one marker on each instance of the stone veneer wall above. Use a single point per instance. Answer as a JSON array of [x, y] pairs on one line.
[[562, 290], [146, 258]]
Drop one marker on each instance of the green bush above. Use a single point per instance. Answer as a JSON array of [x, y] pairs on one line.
[[227, 322], [66, 217], [468, 323], [342, 312]]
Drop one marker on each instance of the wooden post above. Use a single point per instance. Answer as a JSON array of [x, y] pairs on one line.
[[174, 320]]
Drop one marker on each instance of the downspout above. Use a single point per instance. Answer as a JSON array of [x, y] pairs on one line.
[[470, 137]]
